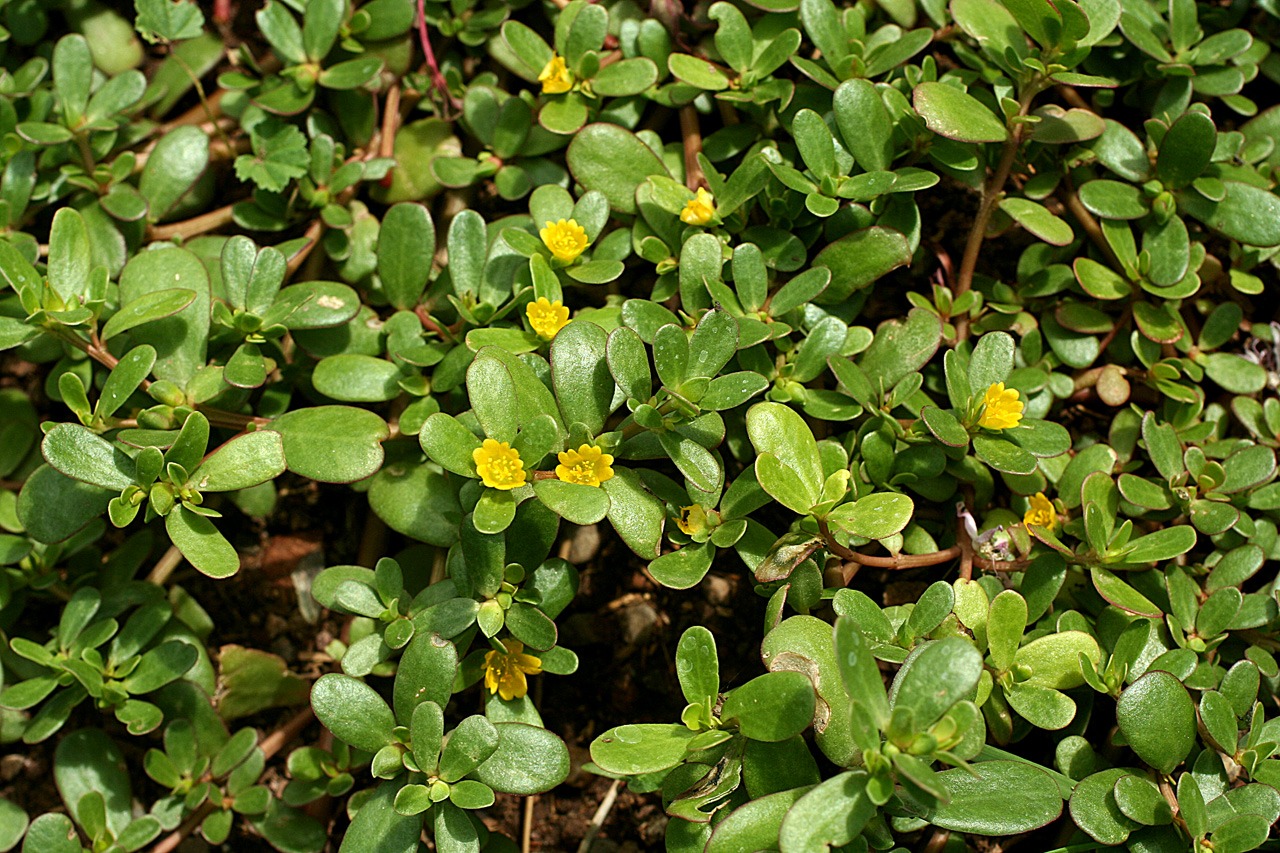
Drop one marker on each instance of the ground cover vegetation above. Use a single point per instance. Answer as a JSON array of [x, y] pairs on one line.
[[932, 342]]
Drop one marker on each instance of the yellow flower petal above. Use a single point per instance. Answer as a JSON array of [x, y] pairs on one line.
[[700, 209], [692, 519], [504, 674], [566, 239], [547, 317], [587, 466], [1001, 408], [555, 78], [499, 465], [1041, 512]]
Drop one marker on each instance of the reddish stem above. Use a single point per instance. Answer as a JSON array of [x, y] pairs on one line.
[[437, 79]]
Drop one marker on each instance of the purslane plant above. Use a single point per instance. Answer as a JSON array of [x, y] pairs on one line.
[[981, 291]]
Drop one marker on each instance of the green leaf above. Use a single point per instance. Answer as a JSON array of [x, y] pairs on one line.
[[612, 160], [875, 516], [629, 363], [1120, 594], [168, 20], [625, 78], [944, 426], [698, 667], [453, 830], [957, 115], [756, 824], [492, 391], [406, 247], [697, 72], [996, 798], [1219, 721], [201, 543], [1158, 720], [939, 675], [771, 707], [1095, 810], [1054, 658], [356, 378], [77, 503], [858, 259], [832, 814], [1163, 544], [1114, 200], [88, 761], [901, 347], [377, 826], [574, 502], [858, 668], [1003, 455], [1247, 213], [1006, 620], [784, 485], [179, 339], [1241, 833], [473, 741], [817, 146], [583, 382], [167, 662], [1043, 707], [13, 824], [320, 26], [633, 749], [1037, 219], [175, 164], [636, 514], [860, 113], [332, 444], [1186, 150], [778, 430], [78, 453], [241, 463], [279, 155], [528, 760], [52, 833], [694, 461], [427, 671], [713, 343], [351, 74], [353, 711], [685, 568]]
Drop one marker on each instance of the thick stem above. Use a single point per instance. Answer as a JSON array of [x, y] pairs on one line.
[[313, 239], [990, 198], [193, 227], [165, 566], [390, 123], [693, 177]]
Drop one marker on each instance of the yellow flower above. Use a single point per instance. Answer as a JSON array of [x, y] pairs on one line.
[[699, 209], [504, 674], [498, 465], [692, 520], [547, 317], [566, 239], [1041, 512], [586, 466], [555, 78], [1001, 408]]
